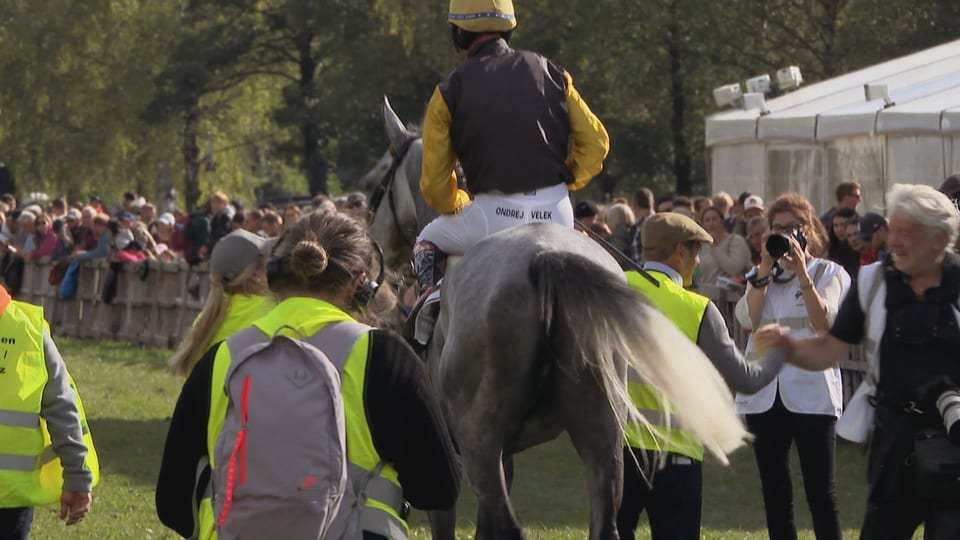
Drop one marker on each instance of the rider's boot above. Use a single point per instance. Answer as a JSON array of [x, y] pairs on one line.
[[427, 260], [426, 265]]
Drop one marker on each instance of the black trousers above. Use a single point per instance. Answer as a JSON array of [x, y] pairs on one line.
[[15, 523], [894, 507], [899, 520], [776, 430], [673, 505]]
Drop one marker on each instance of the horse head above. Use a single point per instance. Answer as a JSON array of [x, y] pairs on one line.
[[397, 208]]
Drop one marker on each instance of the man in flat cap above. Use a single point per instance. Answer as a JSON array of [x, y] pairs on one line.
[[671, 248]]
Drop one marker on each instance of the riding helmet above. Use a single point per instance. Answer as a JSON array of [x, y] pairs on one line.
[[481, 16]]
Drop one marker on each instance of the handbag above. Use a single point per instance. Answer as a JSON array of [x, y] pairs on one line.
[[937, 467], [57, 271], [856, 422]]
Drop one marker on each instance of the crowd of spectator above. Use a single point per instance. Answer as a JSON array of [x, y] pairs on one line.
[[135, 229]]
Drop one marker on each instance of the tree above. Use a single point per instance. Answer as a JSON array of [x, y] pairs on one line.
[[76, 73]]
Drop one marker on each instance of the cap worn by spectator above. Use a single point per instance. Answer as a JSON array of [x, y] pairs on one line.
[[585, 209], [753, 206], [356, 200], [123, 239], [668, 229], [125, 216], [166, 218], [73, 213], [869, 224], [35, 209], [26, 215], [235, 252]]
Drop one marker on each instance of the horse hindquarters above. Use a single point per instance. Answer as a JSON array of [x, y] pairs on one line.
[[486, 388], [597, 326]]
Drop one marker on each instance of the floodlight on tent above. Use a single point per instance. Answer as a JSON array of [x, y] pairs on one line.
[[727, 95], [873, 92], [755, 100], [789, 78], [759, 84]]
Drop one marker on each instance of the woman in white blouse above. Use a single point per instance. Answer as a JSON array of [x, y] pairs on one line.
[[803, 293], [722, 266]]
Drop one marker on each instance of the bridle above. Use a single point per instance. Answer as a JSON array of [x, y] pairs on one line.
[[376, 198]]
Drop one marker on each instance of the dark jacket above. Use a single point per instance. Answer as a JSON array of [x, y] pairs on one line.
[[220, 226]]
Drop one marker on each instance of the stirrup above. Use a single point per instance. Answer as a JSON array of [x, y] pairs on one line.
[[418, 328]]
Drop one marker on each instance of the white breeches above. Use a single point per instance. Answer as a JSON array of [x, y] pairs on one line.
[[491, 213]]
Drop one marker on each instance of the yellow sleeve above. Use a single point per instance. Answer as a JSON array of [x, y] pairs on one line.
[[590, 140], [438, 180]]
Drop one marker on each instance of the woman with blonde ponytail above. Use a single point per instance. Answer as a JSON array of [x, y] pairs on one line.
[[238, 296]]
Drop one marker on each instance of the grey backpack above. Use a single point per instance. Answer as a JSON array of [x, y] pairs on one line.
[[281, 460]]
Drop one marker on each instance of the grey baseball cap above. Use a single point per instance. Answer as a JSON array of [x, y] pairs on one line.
[[235, 252]]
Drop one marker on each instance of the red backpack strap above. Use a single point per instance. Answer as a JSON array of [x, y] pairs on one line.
[[239, 454]]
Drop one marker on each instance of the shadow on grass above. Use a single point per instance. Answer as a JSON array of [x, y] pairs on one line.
[[131, 448], [550, 491]]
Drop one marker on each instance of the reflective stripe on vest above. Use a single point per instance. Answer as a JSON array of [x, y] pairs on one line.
[[19, 419], [30, 472], [685, 309], [346, 344], [14, 462]]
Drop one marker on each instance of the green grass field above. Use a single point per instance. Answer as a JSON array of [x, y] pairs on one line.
[[129, 397]]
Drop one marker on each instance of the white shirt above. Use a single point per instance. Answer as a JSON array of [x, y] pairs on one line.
[[802, 391]]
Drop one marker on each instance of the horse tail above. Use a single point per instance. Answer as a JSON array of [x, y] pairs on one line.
[[591, 318]]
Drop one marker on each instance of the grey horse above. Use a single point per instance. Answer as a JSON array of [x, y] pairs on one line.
[[536, 333]]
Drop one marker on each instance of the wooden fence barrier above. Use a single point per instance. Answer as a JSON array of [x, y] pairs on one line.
[[154, 303]]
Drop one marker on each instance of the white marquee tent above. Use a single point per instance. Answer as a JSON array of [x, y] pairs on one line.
[[811, 139]]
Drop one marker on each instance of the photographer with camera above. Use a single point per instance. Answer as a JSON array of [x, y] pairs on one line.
[[904, 309], [801, 292]]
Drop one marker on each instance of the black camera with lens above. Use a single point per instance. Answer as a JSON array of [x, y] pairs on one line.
[[949, 406], [778, 244]]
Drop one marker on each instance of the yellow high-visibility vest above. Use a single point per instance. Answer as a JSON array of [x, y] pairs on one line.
[[685, 309], [30, 473]]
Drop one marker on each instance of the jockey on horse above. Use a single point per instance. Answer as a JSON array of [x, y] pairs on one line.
[[520, 129]]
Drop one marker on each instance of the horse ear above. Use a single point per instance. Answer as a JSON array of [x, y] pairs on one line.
[[396, 131]]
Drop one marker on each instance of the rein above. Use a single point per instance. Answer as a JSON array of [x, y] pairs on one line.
[[626, 263], [384, 188]]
